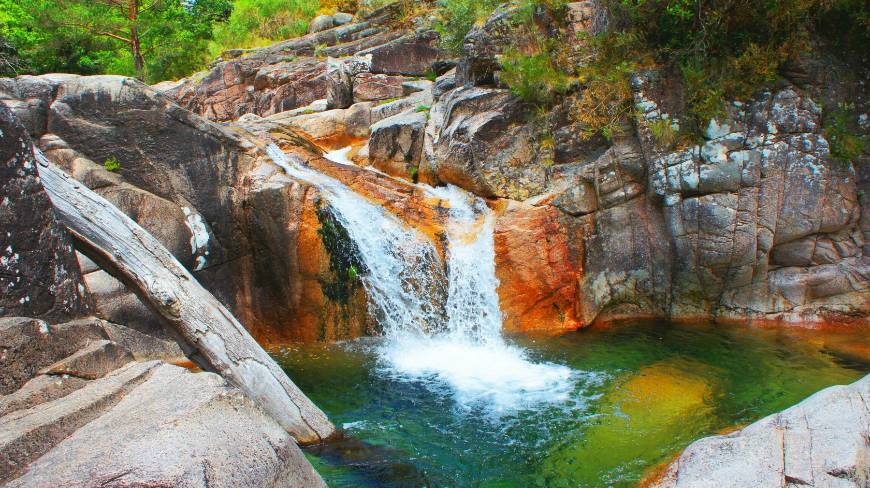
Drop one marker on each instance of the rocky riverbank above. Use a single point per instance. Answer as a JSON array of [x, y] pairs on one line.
[[757, 223]]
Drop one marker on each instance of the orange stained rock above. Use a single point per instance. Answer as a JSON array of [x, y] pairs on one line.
[[536, 268]]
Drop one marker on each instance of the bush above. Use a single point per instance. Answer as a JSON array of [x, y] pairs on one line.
[[534, 78], [256, 23], [842, 134], [728, 49], [112, 164], [457, 17]]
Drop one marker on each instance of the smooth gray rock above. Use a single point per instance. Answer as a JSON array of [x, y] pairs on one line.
[[27, 434], [396, 144], [484, 145], [321, 23], [93, 361], [820, 442], [39, 390], [29, 345], [341, 18], [175, 428]]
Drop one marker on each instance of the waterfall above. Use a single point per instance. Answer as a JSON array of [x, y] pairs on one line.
[[451, 340]]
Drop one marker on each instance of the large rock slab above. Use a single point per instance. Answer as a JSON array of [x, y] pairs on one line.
[[481, 142], [28, 345], [396, 144], [27, 434], [410, 55], [170, 427], [821, 441], [39, 275]]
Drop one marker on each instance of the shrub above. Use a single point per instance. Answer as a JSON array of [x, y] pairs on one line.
[[422, 108], [112, 164], [663, 131], [606, 98], [728, 49], [457, 17], [839, 128], [533, 77], [255, 23]]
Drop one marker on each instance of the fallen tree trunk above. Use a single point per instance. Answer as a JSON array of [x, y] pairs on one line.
[[220, 342]]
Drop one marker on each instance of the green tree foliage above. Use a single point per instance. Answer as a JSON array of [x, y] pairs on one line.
[[151, 39], [260, 22], [721, 49]]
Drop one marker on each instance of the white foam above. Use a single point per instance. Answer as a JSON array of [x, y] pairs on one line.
[[340, 156], [497, 377], [460, 351]]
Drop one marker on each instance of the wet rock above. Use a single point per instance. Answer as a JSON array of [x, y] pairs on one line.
[[39, 275], [818, 442], [537, 261], [396, 143], [284, 227]]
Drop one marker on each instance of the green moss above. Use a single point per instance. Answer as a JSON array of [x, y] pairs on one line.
[[413, 173], [345, 262], [422, 108], [388, 100]]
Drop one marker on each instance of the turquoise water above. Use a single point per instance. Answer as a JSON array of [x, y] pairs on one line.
[[642, 392]]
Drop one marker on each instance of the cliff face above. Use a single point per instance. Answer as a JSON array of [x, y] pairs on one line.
[[755, 224]]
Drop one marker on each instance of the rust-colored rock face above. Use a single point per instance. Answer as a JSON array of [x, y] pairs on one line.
[[538, 264]]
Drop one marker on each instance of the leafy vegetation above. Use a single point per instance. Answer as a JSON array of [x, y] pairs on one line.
[[841, 131], [154, 40], [151, 39], [533, 77], [722, 49], [457, 17], [112, 164]]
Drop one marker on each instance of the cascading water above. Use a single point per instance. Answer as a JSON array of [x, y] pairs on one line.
[[449, 341]]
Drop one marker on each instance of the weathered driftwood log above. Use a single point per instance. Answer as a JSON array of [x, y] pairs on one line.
[[221, 344]]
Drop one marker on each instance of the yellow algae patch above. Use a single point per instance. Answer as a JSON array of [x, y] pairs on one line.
[[643, 418]]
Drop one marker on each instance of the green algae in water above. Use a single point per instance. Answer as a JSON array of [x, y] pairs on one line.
[[646, 390]]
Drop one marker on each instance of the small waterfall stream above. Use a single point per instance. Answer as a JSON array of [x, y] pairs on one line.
[[451, 344]]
